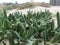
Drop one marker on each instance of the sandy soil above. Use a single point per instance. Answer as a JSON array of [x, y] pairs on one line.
[[52, 9]]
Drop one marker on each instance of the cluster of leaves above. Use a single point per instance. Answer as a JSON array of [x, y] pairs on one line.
[[56, 38], [27, 27]]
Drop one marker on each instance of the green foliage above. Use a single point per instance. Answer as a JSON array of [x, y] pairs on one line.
[[56, 38], [36, 42], [58, 18], [27, 27], [44, 34]]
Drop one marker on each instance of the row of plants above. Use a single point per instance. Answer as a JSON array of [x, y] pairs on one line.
[[10, 6], [29, 29]]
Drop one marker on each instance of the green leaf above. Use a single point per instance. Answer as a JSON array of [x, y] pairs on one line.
[[10, 37], [4, 43]]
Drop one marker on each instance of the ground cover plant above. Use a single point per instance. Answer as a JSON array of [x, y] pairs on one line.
[[29, 29]]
